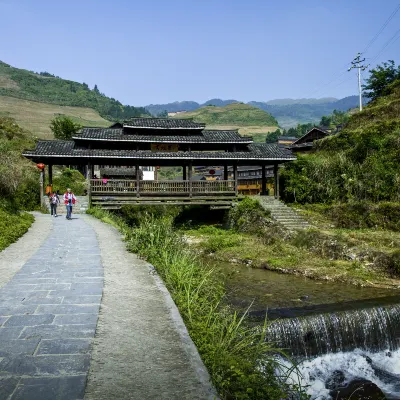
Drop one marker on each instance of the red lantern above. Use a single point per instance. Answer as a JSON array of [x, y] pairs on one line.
[[212, 172], [40, 166]]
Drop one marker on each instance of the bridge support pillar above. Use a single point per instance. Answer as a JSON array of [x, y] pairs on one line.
[[225, 172], [235, 178], [137, 175], [263, 182], [276, 181], [190, 179]]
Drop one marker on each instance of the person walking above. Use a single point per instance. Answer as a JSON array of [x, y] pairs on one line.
[[69, 201], [54, 201]]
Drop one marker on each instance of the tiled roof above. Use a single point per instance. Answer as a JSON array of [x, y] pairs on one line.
[[257, 151], [162, 123], [118, 171], [304, 137], [206, 136]]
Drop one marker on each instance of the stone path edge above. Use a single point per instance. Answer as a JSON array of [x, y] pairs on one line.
[[189, 346]]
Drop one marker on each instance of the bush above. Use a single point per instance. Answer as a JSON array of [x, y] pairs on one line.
[[134, 215], [13, 226], [384, 215], [248, 216], [70, 178]]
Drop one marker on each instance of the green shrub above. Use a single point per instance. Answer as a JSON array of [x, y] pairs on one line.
[[220, 242], [133, 215], [13, 226], [248, 216], [70, 178], [384, 215]]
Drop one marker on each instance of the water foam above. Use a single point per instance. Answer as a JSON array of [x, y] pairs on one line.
[[315, 372]]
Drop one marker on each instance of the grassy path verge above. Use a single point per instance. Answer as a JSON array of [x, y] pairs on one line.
[[240, 361], [13, 226]]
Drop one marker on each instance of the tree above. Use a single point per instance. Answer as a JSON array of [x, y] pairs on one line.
[[380, 79], [163, 114], [63, 127], [96, 89]]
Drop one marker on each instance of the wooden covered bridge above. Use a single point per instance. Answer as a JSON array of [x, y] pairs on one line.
[[145, 142]]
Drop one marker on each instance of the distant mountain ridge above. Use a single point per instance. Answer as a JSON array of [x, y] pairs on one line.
[[288, 112]]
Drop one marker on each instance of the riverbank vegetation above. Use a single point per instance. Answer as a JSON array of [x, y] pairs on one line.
[[239, 359], [361, 257]]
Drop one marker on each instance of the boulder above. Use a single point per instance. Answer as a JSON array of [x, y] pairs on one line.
[[335, 381], [358, 389]]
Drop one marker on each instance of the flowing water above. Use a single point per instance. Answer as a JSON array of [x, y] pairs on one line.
[[336, 333]]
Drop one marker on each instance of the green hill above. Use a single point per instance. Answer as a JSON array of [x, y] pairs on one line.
[[36, 117], [248, 119], [47, 88], [361, 163]]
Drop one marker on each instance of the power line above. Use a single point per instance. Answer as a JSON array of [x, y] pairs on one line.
[[390, 41], [382, 28]]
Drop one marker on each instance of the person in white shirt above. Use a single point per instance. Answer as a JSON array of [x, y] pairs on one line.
[[69, 201]]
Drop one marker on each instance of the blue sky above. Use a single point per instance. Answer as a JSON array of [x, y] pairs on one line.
[[158, 51]]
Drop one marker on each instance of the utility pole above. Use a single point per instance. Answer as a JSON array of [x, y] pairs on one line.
[[357, 63]]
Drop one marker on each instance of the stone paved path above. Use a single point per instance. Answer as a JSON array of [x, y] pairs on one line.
[[48, 316], [51, 330]]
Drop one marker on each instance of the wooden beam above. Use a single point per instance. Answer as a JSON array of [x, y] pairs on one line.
[[190, 167], [184, 173], [225, 172], [235, 178], [263, 181], [50, 168], [89, 183], [276, 181], [137, 174]]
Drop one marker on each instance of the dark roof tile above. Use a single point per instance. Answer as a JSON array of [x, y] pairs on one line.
[[162, 123], [206, 136], [262, 151]]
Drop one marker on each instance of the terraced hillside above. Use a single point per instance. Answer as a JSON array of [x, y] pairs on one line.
[[249, 120], [36, 117]]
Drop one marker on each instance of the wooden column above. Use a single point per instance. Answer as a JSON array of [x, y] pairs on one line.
[[184, 177], [276, 181], [92, 172], [42, 183], [89, 184], [137, 172], [263, 182], [50, 169], [190, 178], [235, 178], [225, 172]]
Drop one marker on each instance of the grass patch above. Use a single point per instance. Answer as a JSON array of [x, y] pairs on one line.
[[13, 226], [239, 359]]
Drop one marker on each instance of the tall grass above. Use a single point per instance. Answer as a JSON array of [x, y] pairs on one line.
[[239, 359]]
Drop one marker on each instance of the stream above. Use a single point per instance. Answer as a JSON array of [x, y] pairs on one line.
[[339, 335]]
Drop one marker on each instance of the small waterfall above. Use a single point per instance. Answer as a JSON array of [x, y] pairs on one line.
[[371, 329]]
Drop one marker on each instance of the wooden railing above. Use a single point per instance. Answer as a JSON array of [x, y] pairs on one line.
[[193, 188]]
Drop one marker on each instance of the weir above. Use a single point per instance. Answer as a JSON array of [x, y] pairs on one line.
[[370, 329]]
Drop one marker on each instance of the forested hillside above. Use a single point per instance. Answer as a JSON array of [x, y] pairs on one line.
[[47, 88]]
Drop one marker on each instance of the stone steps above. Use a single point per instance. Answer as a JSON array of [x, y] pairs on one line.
[[283, 214]]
